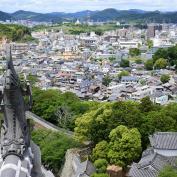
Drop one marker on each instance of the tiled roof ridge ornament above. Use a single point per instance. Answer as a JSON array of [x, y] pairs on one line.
[[17, 153], [17, 139]]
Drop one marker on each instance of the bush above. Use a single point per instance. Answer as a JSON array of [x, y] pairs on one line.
[[99, 175], [160, 63], [149, 65], [124, 63], [106, 80], [101, 165], [123, 73], [138, 61], [53, 147], [168, 172], [164, 78], [100, 151], [134, 52]]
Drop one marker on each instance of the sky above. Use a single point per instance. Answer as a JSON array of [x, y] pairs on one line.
[[45, 6]]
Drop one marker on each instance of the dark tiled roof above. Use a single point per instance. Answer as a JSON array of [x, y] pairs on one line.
[[164, 140], [135, 171], [158, 94], [151, 165]]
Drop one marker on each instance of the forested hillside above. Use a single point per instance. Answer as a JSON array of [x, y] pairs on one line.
[[15, 32]]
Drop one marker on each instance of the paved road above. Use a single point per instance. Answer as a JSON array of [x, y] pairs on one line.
[[47, 124]]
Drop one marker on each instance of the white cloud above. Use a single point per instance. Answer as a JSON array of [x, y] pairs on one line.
[[77, 5]]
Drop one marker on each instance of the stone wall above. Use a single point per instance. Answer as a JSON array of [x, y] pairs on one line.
[[67, 170]]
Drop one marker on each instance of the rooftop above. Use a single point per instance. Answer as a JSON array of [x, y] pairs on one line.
[[164, 140]]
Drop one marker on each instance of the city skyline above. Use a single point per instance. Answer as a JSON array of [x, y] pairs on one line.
[[45, 6]]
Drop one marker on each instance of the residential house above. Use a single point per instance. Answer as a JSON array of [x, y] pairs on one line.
[[129, 80], [159, 97], [142, 92]]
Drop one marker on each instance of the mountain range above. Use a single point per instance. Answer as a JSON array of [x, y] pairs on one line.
[[134, 15]]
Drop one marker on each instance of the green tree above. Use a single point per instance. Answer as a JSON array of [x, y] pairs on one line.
[[126, 113], [100, 151], [149, 65], [170, 54], [64, 116], [146, 105], [161, 53], [123, 73], [93, 126], [106, 80], [124, 146], [165, 78], [168, 172], [124, 63], [143, 82], [20, 33], [149, 44], [156, 121], [170, 110], [53, 146], [133, 52], [59, 108], [138, 61], [161, 63], [32, 79], [97, 124], [111, 59], [46, 103], [82, 130], [112, 115], [101, 165]]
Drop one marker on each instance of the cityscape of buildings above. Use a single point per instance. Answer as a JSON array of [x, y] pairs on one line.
[[82, 63]]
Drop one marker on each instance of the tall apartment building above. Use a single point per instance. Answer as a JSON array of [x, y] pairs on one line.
[[151, 31]]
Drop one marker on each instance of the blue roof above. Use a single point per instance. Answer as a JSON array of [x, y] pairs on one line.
[[129, 78]]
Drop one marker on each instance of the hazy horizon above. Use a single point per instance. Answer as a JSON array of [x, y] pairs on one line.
[[67, 6]]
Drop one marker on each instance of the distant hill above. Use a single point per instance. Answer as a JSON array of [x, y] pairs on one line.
[[47, 17], [54, 16], [137, 11], [81, 14], [33, 16], [24, 15], [5, 16], [134, 15], [105, 15]]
